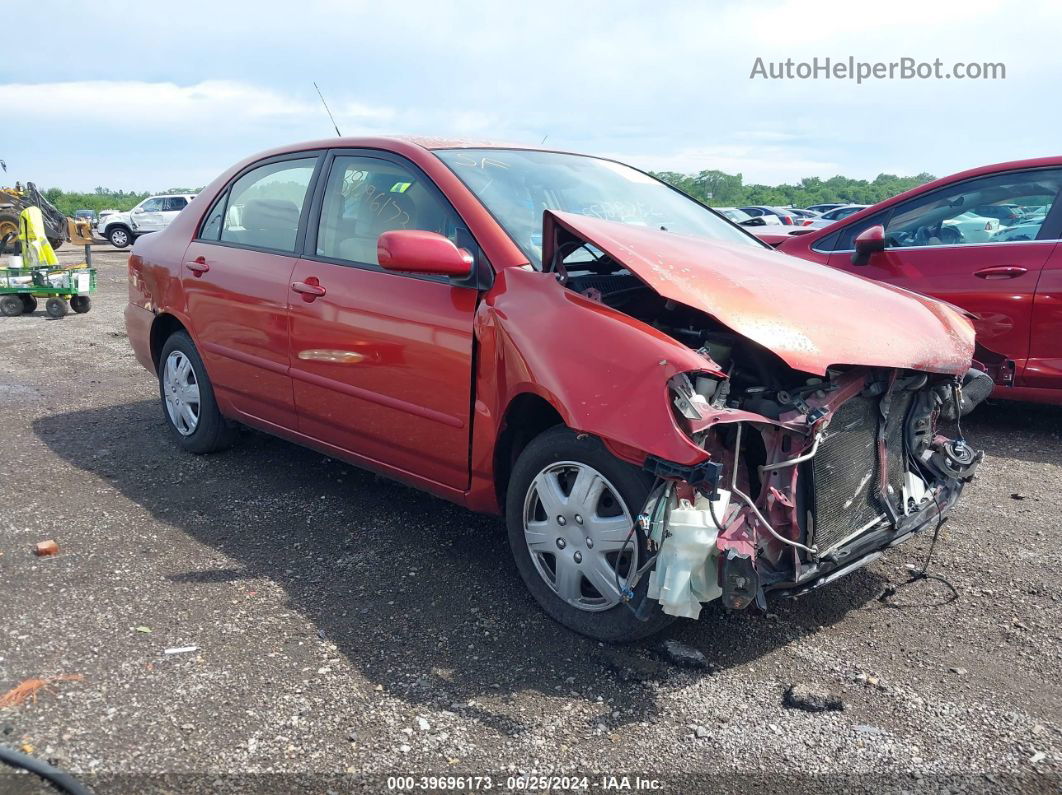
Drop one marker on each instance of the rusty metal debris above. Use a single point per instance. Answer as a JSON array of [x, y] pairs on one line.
[[28, 689], [46, 549]]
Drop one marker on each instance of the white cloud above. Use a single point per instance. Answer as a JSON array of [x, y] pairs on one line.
[[767, 164], [214, 103]]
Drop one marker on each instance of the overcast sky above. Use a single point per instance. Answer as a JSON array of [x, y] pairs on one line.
[[148, 96]]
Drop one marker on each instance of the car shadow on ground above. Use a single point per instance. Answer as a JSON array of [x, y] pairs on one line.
[[420, 595], [1027, 431]]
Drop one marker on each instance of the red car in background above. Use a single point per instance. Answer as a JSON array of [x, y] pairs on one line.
[[666, 410], [985, 240]]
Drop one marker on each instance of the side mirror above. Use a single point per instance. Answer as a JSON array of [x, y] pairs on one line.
[[417, 251], [869, 241]]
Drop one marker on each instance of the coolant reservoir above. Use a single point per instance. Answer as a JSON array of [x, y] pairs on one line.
[[685, 573]]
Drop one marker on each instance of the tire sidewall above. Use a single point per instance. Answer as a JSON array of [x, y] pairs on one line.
[[212, 429], [9, 301], [617, 624], [128, 237]]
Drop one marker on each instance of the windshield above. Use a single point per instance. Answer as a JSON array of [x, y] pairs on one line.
[[516, 186]]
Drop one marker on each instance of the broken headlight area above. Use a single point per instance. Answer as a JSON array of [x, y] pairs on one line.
[[804, 481]]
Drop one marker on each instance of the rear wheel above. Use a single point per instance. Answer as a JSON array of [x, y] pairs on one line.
[[29, 303], [188, 398], [11, 306], [80, 303], [570, 511]]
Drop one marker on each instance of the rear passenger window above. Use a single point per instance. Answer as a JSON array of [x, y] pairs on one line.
[[212, 225], [265, 205], [175, 203], [367, 196]]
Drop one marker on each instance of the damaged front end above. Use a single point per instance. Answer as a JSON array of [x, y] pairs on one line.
[[803, 484], [811, 469]]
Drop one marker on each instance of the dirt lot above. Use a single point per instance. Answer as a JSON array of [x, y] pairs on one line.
[[347, 624]]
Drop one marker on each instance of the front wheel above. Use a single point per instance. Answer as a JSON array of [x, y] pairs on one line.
[[570, 511], [80, 303], [11, 306], [120, 237], [56, 307], [188, 398]]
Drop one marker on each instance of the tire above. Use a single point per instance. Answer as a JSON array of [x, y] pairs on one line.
[[9, 223], [120, 237], [56, 307], [561, 454], [210, 431], [29, 303], [11, 305], [80, 303]]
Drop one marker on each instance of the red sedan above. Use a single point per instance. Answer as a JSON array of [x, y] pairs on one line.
[[657, 402], [985, 240]]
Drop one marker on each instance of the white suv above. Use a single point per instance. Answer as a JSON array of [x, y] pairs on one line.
[[151, 215]]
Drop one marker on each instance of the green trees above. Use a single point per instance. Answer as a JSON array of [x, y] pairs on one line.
[[719, 189], [102, 199]]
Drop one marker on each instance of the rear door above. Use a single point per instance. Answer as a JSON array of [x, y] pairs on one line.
[[942, 245], [171, 208], [237, 276], [381, 361], [1044, 368]]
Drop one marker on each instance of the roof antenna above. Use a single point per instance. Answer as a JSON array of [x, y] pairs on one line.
[[327, 110]]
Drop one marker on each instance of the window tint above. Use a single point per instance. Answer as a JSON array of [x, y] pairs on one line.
[[844, 239], [265, 204], [367, 196], [1000, 208], [174, 203], [212, 224]]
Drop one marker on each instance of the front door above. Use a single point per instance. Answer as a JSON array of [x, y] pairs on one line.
[[979, 244], [236, 277], [148, 216], [382, 362]]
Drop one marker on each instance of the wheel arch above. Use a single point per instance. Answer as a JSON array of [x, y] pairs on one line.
[[162, 328], [526, 416]]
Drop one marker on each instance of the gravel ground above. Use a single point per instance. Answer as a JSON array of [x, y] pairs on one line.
[[345, 624]]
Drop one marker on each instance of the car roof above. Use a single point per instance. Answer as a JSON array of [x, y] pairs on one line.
[[399, 143]]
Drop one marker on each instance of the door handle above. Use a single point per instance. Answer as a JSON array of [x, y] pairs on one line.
[[310, 289], [1001, 272], [198, 266]]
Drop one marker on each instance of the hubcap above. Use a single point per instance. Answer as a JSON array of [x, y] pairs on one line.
[[119, 238], [182, 393], [576, 527]]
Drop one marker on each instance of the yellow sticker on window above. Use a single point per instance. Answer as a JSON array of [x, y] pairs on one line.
[[401, 187]]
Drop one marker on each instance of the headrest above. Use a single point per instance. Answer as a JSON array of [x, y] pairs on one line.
[[263, 214]]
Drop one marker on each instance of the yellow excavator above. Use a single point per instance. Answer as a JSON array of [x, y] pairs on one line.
[[58, 228]]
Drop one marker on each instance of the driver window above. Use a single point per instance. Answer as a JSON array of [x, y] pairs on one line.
[[1001, 208], [151, 206], [367, 196]]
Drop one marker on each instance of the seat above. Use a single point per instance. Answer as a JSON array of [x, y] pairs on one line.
[[268, 223], [397, 211]]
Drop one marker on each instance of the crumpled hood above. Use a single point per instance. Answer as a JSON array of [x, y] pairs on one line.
[[810, 315]]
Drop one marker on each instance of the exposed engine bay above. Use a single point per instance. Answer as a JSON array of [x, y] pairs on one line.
[[808, 477]]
